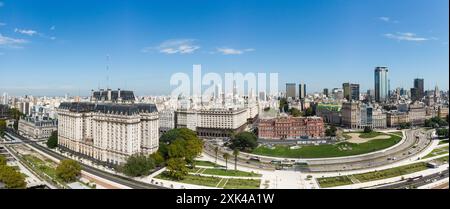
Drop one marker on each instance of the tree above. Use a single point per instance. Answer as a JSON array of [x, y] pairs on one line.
[[442, 132], [295, 112], [12, 178], [216, 151], [174, 134], [244, 141], [193, 149], [177, 168], [177, 149], [52, 141], [157, 158], [367, 129], [226, 156], [235, 154], [284, 106], [309, 111], [2, 160], [331, 131], [138, 165], [68, 170], [405, 125], [2, 128]]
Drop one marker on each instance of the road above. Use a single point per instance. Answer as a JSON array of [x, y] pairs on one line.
[[418, 182], [89, 169], [408, 148]]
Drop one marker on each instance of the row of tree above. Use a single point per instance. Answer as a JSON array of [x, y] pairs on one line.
[[435, 122], [10, 177], [178, 149]]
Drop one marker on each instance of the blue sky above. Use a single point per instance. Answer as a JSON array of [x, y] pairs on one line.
[[56, 47]]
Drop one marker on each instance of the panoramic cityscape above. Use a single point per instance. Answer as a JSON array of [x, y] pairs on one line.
[[224, 95]]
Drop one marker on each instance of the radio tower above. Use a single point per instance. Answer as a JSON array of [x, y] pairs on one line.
[[107, 71]]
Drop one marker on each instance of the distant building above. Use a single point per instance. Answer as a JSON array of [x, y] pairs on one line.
[[443, 112], [37, 128], [330, 113], [290, 90], [418, 84], [351, 115], [395, 118], [417, 113], [301, 91], [325, 92], [213, 122], [381, 84], [286, 127], [351, 91], [166, 120]]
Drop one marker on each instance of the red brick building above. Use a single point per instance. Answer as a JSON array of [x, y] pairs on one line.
[[291, 127]]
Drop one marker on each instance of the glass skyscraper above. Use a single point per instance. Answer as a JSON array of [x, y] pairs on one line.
[[381, 84]]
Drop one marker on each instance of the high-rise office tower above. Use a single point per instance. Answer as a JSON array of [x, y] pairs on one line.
[[418, 84], [5, 98], [302, 91], [290, 90], [381, 84], [325, 92], [351, 91]]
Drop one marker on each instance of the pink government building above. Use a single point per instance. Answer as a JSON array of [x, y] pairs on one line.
[[288, 127]]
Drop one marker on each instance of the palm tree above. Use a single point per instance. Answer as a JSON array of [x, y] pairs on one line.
[[226, 156], [216, 150], [235, 153]]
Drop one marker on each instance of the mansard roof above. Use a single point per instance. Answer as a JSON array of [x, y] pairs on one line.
[[109, 108]]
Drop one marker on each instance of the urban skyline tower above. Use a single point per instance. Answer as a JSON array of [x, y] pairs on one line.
[[381, 84], [290, 90], [301, 91]]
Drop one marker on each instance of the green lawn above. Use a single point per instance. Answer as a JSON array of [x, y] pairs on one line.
[[334, 181], [436, 152], [372, 176], [193, 179], [370, 135], [206, 163], [392, 172], [329, 150], [445, 141], [214, 181], [441, 159], [242, 184], [397, 133], [223, 172]]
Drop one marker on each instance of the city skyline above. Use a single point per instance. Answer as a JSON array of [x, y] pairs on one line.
[[57, 51]]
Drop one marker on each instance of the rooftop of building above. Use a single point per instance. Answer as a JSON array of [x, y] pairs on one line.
[[109, 108]]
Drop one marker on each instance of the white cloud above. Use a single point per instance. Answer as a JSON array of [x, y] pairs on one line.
[[385, 19], [231, 51], [8, 42], [26, 32], [53, 27], [405, 37], [175, 46], [388, 19]]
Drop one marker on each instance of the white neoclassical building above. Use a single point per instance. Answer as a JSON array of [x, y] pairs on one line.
[[110, 128]]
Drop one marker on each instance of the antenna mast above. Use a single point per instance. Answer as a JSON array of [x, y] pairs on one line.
[[107, 71]]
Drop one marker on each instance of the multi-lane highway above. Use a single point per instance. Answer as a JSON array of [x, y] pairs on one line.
[[89, 169], [414, 143], [417, 182]]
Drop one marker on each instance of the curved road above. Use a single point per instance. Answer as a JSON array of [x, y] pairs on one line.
[[414, 143], [97, 172]]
